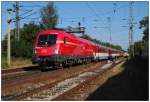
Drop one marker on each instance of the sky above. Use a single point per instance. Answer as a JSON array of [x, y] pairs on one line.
[[92, 15]]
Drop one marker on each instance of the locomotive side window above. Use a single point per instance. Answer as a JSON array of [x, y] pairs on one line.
[[65, 39], [47, 40]]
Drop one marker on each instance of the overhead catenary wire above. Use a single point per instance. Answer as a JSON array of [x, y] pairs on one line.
[[95, 13], [91, 16], [112, 11], [31, 6], [83, 19], [29, 21], [27, 16], [28, 11], [33, 18]]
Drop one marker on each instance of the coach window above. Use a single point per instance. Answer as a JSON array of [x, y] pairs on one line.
[[65, 39]]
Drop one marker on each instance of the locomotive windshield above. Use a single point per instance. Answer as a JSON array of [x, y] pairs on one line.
[[47, 40]]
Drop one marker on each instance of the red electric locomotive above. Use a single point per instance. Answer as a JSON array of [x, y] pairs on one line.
[[58, 48]]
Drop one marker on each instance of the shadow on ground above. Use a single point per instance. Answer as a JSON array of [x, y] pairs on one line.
[[131, 84], [41, 68]]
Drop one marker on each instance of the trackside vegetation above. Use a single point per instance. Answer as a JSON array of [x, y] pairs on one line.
[[144, 43]]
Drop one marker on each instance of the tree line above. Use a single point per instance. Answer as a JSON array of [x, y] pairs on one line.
[[144, 43]]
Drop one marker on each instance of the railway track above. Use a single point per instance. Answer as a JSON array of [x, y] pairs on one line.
[[12, 74], [67, 89], [83, 90], [27, 68], [20, 84], [55, 84]]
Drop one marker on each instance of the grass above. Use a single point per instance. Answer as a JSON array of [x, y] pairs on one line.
[[15, 62], [3, 63]]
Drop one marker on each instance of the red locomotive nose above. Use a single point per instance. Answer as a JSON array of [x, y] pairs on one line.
[[44, 51]]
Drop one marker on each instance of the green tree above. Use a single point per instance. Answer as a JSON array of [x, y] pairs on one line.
[[140, 45], [117, 47], [144, 24], [24, 47], [28, 35], [85, 36], [49, 16]]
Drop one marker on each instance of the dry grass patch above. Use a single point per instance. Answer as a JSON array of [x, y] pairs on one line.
[[15, 62]]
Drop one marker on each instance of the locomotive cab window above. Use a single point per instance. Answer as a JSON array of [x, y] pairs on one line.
[[47, 40], [65, 40]]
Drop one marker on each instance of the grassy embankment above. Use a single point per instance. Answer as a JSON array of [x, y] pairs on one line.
[[15, 62]]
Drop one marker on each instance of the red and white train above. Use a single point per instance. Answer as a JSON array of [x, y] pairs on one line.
[[58, 48]]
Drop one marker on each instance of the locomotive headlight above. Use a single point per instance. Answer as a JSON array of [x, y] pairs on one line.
[[56, 51], [35, 51]]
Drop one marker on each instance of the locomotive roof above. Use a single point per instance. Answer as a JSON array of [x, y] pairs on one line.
[[72, 35], [52, 31], [64, 33]]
